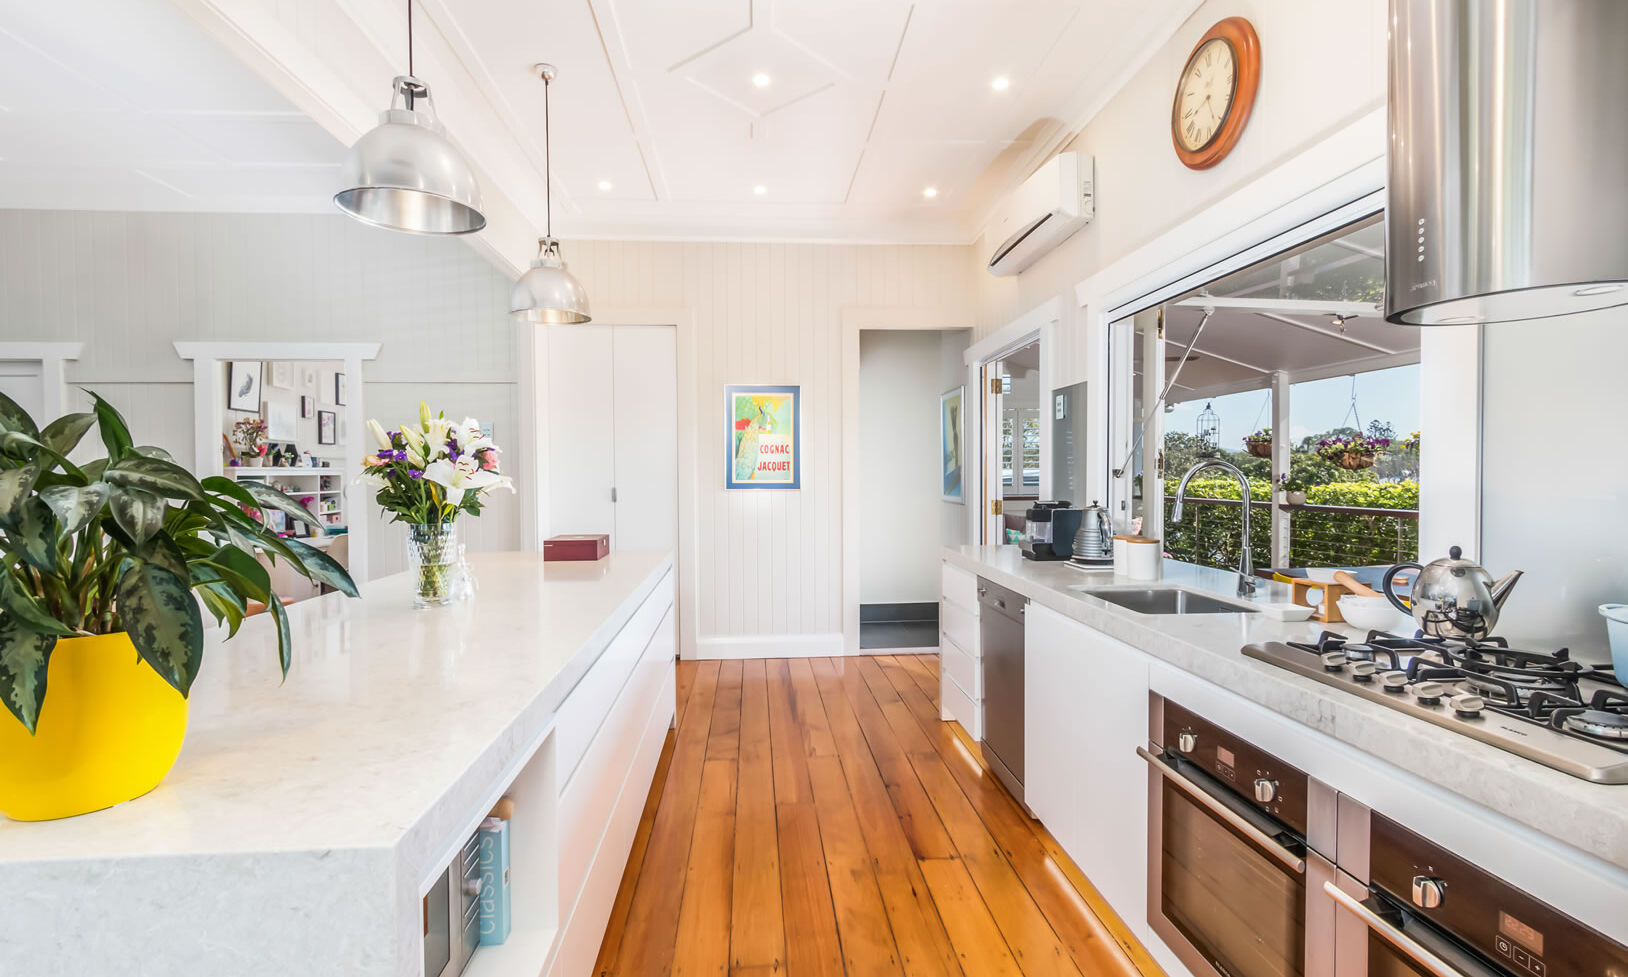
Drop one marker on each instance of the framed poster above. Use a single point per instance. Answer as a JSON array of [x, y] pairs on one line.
[[327, 427], [243, 386], [763, 431], [339, 389], [951, 437], [282, 374], [279, 415]]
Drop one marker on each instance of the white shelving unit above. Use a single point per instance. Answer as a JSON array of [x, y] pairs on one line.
[[325, 485]]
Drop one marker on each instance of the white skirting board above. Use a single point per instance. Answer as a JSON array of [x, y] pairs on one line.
[[772, 646]]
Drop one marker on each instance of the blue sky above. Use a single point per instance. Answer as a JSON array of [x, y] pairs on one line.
[[1315, 406]]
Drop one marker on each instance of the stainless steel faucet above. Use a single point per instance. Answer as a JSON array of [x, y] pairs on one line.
[[1246, 562]]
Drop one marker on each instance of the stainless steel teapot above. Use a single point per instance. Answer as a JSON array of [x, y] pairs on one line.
[[1452, 598]]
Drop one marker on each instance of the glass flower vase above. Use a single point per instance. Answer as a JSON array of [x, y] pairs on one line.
[[435, 560]]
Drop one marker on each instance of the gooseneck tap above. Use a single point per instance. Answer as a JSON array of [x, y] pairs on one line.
[[1246, 562]]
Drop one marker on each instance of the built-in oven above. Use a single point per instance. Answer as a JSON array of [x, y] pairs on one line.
[[1239, 847], [452, 914], [1411, 908]]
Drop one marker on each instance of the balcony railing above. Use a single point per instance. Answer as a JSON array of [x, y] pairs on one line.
[[1319, 535]]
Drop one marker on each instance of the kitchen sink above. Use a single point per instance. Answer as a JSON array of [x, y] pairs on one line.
[[1166, 600]]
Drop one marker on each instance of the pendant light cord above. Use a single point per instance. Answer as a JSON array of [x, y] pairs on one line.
[[410, 39], [548, 167]]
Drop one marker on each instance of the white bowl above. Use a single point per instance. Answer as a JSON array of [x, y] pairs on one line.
[[1374, 614]]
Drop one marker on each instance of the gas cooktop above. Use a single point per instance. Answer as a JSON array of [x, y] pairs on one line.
[[1541, 705]]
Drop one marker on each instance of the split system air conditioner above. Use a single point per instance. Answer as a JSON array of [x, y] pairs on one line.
[[1056, 201]]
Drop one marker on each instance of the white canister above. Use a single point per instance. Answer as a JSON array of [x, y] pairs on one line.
[[1137, 557]]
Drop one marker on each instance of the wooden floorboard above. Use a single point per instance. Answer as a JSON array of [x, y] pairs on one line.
[[814, 818]]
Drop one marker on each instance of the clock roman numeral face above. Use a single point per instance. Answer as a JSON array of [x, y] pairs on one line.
[[1207, 88]]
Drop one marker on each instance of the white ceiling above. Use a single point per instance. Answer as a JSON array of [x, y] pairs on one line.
[[129, 105], [870, 103]]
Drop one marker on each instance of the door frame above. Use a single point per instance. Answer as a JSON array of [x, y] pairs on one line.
[[855, 321], [1037, 324], [209, 405]]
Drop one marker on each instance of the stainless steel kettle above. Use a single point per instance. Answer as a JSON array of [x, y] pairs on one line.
[[1094, 542], [1452, 598]]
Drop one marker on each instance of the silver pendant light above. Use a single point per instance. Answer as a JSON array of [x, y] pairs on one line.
[[404, 174], [547, 293]]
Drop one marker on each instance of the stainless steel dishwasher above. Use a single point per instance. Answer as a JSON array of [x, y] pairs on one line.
[[1000, 624]]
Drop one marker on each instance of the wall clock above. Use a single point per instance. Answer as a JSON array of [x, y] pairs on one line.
[[1215, 92]]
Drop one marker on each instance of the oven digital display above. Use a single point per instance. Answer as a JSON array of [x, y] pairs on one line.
[[1224, 757], [1520, 933]]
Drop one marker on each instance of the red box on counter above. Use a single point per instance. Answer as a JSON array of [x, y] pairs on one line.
[[586, 546]]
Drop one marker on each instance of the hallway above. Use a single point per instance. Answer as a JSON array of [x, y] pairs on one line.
[[814, 816]]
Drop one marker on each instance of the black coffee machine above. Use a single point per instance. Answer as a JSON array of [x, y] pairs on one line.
[[1048, 530]]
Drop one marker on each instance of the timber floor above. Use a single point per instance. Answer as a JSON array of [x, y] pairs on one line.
[[814, 817]]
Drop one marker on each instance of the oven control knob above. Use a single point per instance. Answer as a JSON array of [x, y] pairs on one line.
[[1266, 791], [1186, 742], [1362, 671], [1428, 893], [1393, 681], [1333, 661]]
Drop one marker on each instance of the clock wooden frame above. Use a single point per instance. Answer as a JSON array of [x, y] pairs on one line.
[[1240, 35]]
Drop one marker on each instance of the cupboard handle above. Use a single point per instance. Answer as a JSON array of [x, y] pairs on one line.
[[1220, 810], [1404, 944]]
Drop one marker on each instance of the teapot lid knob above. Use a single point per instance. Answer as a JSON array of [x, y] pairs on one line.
[[1455, 552]]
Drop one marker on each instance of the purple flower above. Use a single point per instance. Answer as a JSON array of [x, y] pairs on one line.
[[414, 473]]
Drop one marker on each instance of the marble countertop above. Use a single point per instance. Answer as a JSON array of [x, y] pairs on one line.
[[390, 717], [1591, 817]]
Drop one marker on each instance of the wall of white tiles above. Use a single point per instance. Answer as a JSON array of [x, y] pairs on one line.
[[128, 285]]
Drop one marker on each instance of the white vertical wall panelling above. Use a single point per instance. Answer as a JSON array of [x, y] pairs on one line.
[[767, 565], [438, 310]]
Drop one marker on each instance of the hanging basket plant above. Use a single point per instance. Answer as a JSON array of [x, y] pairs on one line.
[[1259, 444], [1353, 453]]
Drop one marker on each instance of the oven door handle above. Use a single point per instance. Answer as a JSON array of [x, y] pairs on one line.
[[1268, 843], [1404, 944]]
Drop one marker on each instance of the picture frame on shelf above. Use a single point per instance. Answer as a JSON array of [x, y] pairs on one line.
[[339, 389], [327, 427], [243, 381], [308, 406]]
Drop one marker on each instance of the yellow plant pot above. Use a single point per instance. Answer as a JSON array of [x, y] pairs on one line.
[[109, 731]]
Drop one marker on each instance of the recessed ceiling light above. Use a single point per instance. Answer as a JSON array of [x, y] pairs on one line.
[[929, 192], [761, 80], [760, 189], [1000, 83], [606, 185]]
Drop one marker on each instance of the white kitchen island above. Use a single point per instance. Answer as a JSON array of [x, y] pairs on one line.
[[305, 820]]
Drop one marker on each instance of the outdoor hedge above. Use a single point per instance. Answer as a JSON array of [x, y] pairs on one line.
[[1208, 534]]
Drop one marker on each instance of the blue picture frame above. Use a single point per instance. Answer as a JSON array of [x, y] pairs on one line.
[[763, 437]]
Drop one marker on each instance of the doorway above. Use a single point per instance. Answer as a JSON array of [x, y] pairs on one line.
[[1013, 439], [612, 434], [912, 500]]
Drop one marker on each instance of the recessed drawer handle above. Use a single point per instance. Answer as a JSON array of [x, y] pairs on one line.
[[1405, 944], [1268, 843]]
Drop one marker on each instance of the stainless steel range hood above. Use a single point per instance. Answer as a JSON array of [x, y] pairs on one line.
[[1508, 159]]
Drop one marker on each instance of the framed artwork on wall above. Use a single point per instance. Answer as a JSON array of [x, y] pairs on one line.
[[279, 415], [282, 374], [339, 389], [763, 431], [327, 427], [243, 386], [308, 378], [950, 440], [308, 406]]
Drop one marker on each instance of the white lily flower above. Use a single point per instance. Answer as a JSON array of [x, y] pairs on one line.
[[378, 434]]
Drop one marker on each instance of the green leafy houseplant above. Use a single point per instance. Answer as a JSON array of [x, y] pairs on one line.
[[123, 543]]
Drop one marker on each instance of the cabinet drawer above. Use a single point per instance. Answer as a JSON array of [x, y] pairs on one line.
[[587, 705], [957, 705], [960, 586], [960, 626], [967, 671]]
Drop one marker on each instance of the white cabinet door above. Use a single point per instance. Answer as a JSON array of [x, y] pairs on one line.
[[613, 434], [581, 445], [1086, 701], [646, 425]]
